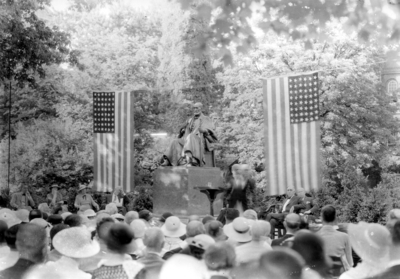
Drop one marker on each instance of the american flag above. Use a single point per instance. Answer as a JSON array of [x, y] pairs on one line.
[[113, 132], [292, 133]]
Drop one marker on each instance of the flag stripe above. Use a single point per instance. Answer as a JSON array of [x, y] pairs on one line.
[[291, 149]]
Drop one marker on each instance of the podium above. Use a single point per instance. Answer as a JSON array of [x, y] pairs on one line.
[[176, 190]]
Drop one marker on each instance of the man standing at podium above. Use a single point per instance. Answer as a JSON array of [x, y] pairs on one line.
[[196, 136]]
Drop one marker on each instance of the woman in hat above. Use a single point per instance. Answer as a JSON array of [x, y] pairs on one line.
[[116, 263], [84, 201], [119, 198]]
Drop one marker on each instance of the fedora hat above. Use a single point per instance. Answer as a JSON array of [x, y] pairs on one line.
[[370, 241], [75, 242], [81, 187], [9, 217], [239, 230], [173, 227]]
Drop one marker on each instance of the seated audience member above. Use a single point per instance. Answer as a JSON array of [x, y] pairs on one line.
[[23, 215], [116, 263], [22, 199], [238, 232], [130, 216], [154, 242], [55, 219], [35, 213], [220, 259], [139, 228], [173, 229], [54, 255], [230, 215], [311, 247], [371, 242], [206, 219], [73, 220], [84, 200], [74, 244], [393, 267], [292, 225], [337, 243], [198, 245], [120, 199], [214, 229], [183, 267], [192, 229], [111, 209], [31, 244], [193, 218], [146, 216], [291, 204], [164, 217], [10, 255], [282, 263], [309, 207], [253, 250], [250, 214]]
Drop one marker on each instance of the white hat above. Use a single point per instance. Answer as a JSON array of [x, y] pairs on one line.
[[81, 187], [89, 213], [118, 216], [202, 241], [23, 215], [173, 227], [40, 222], [239, 229], [76, 242], [65, 214], [139, 227], [9, 217]]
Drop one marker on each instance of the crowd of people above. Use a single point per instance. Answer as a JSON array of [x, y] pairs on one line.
[[114, 244]]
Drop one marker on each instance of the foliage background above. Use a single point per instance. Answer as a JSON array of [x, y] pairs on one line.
[[172, 56]]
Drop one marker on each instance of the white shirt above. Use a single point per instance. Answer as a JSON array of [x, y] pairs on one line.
[[118, 202], [286, 203]]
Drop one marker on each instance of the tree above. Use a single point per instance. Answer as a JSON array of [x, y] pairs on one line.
[[303, 20]]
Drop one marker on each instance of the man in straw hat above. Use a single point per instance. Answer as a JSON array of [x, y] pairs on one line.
[[196, 136], [22, 199], [84, 201]]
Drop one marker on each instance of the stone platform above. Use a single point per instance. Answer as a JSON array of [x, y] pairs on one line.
[[173, 190]]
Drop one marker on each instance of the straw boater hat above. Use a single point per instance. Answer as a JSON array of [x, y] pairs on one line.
[[173, 227], [75, 242], [89, 213], [239, 230], [82, 187]]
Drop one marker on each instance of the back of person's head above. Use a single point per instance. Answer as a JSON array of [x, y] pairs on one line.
[[282, 263], [214, 229], [103, 226], [35, 213], [32, 242], [250, 214], [193, 218], [219, 256], [73, 220], [139, 227], [292, 221], [145, 215], [111, 208], [207, 219], [311, 247], [154, 239], [57, 228], [231, 214], [55, 219], [328, 214], [10, 236], [119, 237], [195, 228], [165, 215], [130, 216], [395, 233], [3, 229], [260, 229]]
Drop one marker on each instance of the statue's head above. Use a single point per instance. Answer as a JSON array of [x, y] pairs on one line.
[[197, 108]]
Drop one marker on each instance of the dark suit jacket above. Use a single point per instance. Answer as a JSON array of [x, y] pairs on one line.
[[279, 241], [390, 273], [309, 204], [296, 201], [17, 271]]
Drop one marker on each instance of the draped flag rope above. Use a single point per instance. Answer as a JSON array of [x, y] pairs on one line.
[[113, 134], [292, 132]]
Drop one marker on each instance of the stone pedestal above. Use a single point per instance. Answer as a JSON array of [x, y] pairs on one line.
[[174, 192]]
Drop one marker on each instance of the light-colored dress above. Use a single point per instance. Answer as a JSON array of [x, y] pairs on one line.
[[84, 202]]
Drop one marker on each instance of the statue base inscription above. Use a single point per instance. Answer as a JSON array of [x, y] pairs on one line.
[[174, 192]]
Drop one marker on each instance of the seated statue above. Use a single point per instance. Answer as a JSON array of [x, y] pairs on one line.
[[197, 137]]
